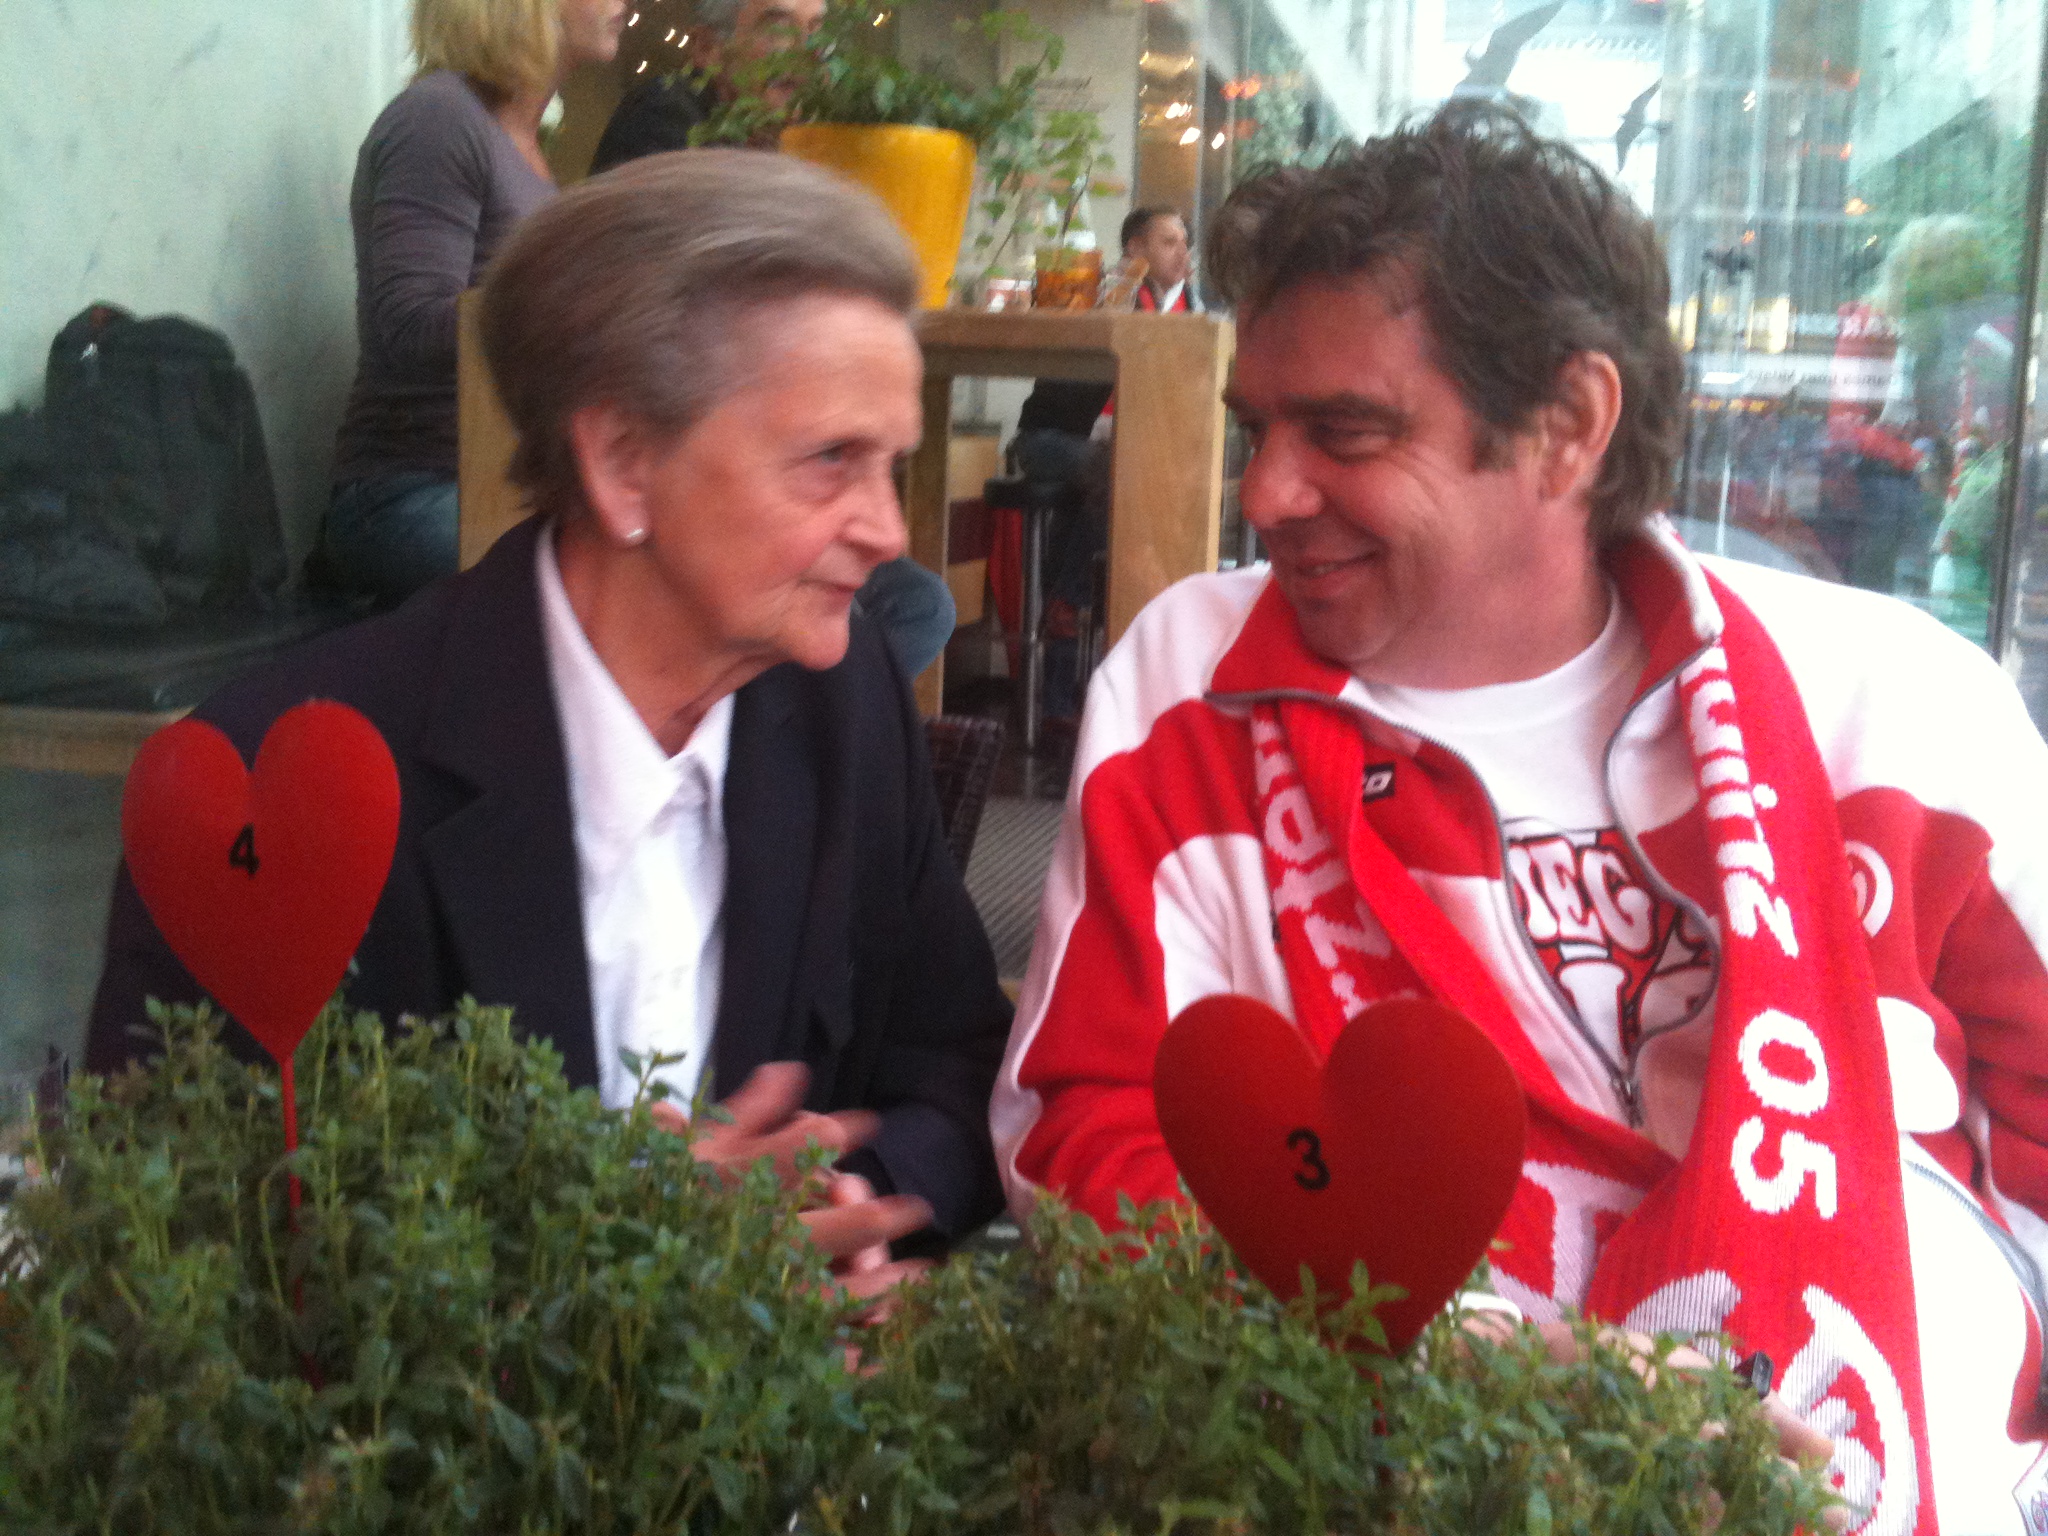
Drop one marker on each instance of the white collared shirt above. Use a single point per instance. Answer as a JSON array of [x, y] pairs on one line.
[[650, 856]]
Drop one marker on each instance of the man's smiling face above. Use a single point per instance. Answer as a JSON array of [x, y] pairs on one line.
[[1406, 559]]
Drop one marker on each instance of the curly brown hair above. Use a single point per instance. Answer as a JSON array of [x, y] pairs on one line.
[[1522, 255]]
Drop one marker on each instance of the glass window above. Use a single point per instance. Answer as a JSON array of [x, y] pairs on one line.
[[1843, 190], [1843, 195]]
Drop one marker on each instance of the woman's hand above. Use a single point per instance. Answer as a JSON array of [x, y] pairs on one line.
[[847, 1221], [856, 1227], [769, 1120]]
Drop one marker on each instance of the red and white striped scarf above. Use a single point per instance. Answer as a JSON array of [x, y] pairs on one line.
[[1784, 1224]]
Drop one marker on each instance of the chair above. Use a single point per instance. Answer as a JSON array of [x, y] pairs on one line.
[[1036, 502], [964, 749]]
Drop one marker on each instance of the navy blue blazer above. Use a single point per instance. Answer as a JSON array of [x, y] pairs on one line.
[[850, 942]]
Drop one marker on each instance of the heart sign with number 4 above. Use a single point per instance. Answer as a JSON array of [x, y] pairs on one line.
[[1401, 1151], [263, 882]]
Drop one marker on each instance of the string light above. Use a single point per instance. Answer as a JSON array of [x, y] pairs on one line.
[[1192, 136]]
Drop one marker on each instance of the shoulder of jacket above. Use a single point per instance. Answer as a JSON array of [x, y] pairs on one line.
[[1167, 656], [1855, 639], [1896, 699]]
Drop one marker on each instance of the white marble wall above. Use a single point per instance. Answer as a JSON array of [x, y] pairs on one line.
[[193, 157]]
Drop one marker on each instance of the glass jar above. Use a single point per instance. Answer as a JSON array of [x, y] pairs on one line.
[[1068, 261]]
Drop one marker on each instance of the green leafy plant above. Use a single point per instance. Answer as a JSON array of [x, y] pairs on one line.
[[503, 1308], [1077, 1384], [839, 74], [1058, 164]]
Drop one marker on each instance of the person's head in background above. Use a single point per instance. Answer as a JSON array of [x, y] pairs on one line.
[[739, 31], [1160, 236], [515, 48]]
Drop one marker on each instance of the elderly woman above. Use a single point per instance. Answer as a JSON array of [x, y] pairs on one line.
[[662, 790], [446, 173]]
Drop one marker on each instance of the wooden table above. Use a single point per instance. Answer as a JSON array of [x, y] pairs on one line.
[[1166, 486], [1166, 496]]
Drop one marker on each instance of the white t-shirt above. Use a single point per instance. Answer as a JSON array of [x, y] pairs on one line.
[[1539, 746]]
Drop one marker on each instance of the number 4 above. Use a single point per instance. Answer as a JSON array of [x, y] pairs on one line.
[[243, 854]]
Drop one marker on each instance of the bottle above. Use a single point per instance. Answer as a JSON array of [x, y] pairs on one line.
[[1069, 262]]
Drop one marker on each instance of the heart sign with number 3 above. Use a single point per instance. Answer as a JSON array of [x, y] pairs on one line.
[[1401, 1151], [263, 882]]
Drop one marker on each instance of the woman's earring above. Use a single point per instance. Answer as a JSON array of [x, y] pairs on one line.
[[635, 537]]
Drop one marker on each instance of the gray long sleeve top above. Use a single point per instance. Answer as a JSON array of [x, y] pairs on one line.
[[438, 186]]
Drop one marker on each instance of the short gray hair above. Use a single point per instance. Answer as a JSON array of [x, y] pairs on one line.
[[634, 286]]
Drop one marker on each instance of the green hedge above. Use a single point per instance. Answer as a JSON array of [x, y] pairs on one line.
[[507, 1310]]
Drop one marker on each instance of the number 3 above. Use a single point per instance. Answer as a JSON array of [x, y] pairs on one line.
[[1313, 1174]]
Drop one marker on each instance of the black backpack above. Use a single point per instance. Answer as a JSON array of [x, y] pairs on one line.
[[154, 435]]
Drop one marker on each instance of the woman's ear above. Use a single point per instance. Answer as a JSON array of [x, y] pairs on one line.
[[613, 463], [1579, 422]]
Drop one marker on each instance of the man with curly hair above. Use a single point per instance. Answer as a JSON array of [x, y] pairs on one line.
[[1743, 873]]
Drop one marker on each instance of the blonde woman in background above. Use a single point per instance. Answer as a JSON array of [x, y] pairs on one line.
[[448, 170]]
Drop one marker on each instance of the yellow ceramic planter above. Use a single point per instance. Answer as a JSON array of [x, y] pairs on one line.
[[924, 175]]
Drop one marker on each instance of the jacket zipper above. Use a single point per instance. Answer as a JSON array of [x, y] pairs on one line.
[[1647, 865]]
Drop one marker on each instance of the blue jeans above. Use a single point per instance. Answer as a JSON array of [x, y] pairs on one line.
[[915, 609], [389, 535]]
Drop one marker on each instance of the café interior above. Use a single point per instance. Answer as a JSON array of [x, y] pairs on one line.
[[1851, 193]]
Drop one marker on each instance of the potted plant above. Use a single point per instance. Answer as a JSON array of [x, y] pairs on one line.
[[503, 1308], [915, 134]]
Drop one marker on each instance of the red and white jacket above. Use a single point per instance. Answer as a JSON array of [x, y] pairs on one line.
[[1157, 896]]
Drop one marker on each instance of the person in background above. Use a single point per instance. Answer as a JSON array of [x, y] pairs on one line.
[[657, 113], [662, 790], [913, 605], [1063, 437], [447, 171], [1744, 873], [1160, 236]]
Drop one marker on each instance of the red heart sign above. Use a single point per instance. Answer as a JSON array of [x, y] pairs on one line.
[[262, 883], [1402, 1150]]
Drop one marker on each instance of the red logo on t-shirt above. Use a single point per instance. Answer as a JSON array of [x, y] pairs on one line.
[[1626, 959]]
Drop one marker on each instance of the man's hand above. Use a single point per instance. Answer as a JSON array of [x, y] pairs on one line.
[[1798, 1441], [846, 1220]]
